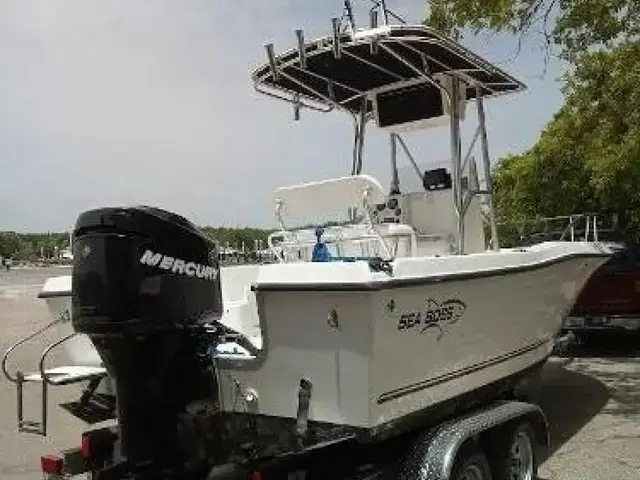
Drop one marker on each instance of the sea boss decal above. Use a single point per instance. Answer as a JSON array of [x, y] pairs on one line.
[[179, 266], [437, 315]]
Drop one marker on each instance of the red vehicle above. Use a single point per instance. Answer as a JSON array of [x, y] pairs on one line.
[[610, 301]]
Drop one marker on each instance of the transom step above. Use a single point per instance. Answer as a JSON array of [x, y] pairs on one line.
[[67, 375]]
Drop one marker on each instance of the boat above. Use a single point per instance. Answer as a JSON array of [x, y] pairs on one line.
[[406, 306]]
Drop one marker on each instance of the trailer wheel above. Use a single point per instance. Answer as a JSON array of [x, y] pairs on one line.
[[514, 453], [471, 464]]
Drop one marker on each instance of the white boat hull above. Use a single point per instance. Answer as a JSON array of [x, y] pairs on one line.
[[380, 363], [377, 347]]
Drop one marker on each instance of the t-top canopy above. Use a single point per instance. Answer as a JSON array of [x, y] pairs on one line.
[[329, 74]]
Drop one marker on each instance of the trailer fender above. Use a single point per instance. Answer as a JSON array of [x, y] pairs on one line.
[[434, 453]]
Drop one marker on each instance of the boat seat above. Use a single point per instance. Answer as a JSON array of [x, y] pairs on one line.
[[67, 375], [397, 232], [309, 199]]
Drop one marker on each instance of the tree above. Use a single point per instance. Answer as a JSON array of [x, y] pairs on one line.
[[9, 244], [573, 26], [603, 95], [237, 236], [31, 246], [588, 157]]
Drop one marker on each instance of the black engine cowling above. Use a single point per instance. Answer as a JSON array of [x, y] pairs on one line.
[[145, 285], [142, 270]]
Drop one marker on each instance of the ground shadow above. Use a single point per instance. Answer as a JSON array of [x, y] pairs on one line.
[[614, 359], [601, 376], [569, 399]]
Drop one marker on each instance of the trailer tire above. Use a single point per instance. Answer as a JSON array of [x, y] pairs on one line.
[[513, 451], [471, 464]]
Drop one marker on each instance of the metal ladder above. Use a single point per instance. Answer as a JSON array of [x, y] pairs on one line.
[[58, 376]]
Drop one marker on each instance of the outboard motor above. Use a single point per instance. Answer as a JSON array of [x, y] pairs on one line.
[[146, 290]]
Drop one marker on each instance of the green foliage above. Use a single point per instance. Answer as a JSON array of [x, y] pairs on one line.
[[571, 25], [35, 246], [588, 157], [31, 246], [235, 236]]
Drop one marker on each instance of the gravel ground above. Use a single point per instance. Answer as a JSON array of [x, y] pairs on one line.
[[592, 401]]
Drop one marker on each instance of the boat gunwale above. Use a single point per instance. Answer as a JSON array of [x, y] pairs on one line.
[[390, 283]]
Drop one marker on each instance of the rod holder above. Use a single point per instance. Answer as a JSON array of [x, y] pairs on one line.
[[335, 23], [373, 17], [385, 12], [272, 61], [373, 20], [373, 46], [349, 10], [331, 90], [302, 53], [296, 108]]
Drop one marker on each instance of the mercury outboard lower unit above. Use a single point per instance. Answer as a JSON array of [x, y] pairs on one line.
[[146, 290]]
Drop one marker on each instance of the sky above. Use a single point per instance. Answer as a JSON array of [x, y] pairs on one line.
[[114, 102]]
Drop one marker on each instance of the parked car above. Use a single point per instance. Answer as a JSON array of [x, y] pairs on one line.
[[610, 300]]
